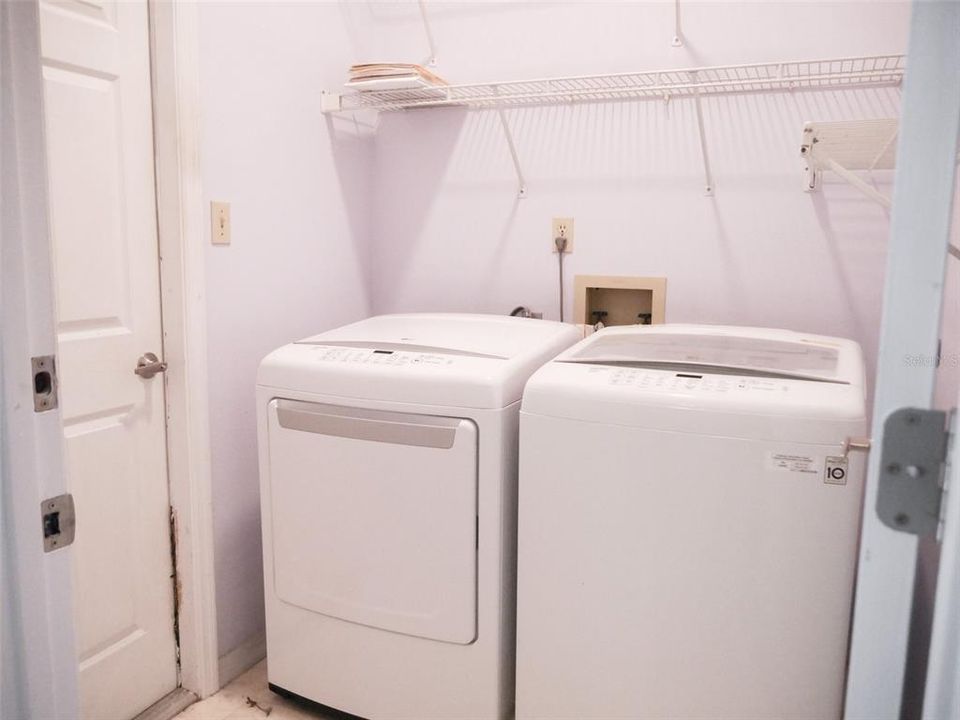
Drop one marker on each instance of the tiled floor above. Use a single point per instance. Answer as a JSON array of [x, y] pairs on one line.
[[236, 702]]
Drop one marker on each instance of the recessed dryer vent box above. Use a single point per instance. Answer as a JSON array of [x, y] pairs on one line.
[[615, 300]]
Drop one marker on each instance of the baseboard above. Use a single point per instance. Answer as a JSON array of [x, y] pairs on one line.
[[242, 658], [169, 706]]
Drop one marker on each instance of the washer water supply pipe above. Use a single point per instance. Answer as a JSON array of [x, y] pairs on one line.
[[525, 312]]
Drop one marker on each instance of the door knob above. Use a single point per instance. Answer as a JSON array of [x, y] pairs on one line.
[[149, 365]]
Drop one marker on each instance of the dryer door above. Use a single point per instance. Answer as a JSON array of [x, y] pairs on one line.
[[374, 517]]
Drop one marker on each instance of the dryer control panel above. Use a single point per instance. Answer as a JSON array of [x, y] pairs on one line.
[[374, 356]]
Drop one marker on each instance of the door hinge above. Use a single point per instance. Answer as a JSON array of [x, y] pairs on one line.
[[44, 369], [58, 522], [912, 470]]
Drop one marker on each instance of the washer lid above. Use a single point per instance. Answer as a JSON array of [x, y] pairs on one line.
[[749, 383], [750, 352]]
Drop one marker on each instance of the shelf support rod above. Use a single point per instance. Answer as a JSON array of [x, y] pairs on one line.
[[708, 189], [873, 193], [811, 176], [677, 33], [522, 192], [432, 60], [883, 150], [858, 182]]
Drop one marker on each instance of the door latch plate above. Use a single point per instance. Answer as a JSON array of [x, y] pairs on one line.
[[911, 470], [58, 522], [44, 370]]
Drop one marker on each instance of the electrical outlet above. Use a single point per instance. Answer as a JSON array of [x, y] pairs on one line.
[[220, 223], [562, 227]]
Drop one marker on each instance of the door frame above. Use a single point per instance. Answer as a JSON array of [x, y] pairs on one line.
[[181, 228], [38, 661], [36, 447], [941, 697], [910, 327]]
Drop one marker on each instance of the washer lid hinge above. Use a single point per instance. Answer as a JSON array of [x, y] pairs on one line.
[[912, 470]]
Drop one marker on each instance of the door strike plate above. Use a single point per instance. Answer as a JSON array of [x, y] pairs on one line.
[[58, 521], [911, 470], [44, 368]]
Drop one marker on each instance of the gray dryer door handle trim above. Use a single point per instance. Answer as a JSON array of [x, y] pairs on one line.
[[371, 425]]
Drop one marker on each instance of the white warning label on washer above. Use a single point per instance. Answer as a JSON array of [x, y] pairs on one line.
[[791, 463]]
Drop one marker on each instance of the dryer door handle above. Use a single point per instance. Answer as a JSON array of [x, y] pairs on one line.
[[370, 425]]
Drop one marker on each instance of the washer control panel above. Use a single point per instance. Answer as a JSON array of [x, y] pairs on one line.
[[686, 383], [373, 356]]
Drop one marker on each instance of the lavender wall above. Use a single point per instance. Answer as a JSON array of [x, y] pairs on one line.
[[450, 233], [297, 264], [337, 219]]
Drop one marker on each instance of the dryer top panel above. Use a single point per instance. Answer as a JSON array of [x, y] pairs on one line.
[[448, 360], [493, 336], [746, 352]]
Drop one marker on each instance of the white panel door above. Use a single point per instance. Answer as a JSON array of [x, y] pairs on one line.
[[96, 73]]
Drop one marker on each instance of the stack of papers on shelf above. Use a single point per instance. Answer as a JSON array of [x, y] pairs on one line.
[[393, 76]]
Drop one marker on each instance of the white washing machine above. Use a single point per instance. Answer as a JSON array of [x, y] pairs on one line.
[[388, 464], [688, 524]]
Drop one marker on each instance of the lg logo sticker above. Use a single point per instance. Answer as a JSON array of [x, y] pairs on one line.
[[835, 472]]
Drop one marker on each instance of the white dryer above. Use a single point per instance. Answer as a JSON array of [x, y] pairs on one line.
[[688, 524], [388, 463]]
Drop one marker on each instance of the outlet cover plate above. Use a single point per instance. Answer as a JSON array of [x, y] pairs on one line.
[[560, 226]]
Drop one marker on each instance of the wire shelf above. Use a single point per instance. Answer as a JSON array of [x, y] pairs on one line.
[[854, 144], [852, 72]]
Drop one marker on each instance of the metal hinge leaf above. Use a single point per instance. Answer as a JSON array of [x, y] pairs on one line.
[[912, 466], [945, 482]]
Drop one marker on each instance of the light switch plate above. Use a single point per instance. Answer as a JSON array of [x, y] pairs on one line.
[[220, 223]]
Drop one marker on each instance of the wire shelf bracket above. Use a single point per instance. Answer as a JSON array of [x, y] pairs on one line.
[[432, 59], [522, 190], [847, 146], [677, 33], [704, 154]]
